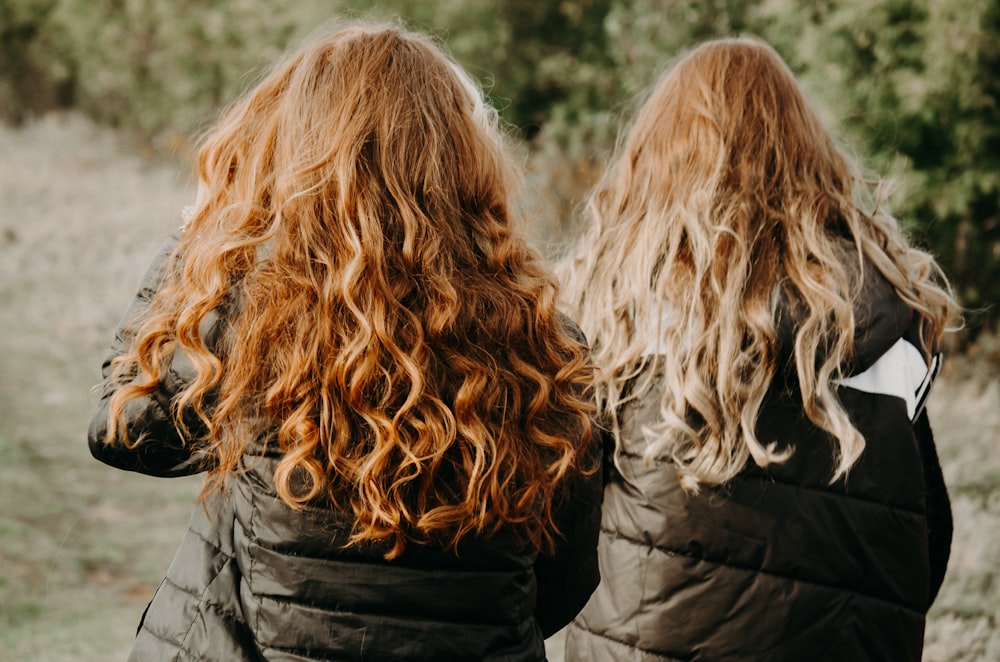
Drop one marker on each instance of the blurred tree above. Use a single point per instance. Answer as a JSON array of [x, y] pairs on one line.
[[153, 65], [553, 55], [24, 87], [911, 83]]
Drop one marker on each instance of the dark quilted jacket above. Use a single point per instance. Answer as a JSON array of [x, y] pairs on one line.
[[778, 565], [254, 580]]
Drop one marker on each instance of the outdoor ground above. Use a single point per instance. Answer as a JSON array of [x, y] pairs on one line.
[[82, 546]]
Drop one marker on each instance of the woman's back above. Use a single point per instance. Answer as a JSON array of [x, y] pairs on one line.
[[777, 564], [765, 335], [263, 582], [355, 344]]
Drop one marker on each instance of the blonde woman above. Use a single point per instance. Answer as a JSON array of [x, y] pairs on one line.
[[350, 340], [766, 336]]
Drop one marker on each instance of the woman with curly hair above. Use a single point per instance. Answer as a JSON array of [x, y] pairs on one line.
[[367, 361], [765, 336]]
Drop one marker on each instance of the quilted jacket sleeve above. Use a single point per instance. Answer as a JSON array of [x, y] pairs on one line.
[[159, 449], [568, 576], [939, 520]]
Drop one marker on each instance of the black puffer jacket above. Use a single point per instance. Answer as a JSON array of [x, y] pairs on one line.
[[255, 580], [779, 565]]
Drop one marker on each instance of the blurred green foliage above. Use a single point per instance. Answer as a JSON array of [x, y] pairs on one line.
[[909, 84]]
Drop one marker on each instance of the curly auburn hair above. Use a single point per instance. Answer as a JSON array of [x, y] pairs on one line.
[[727, 199], [385, 327]]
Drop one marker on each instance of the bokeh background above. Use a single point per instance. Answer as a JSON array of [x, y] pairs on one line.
[[101, 105]]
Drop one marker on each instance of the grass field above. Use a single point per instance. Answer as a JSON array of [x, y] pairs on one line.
[[82, 546]]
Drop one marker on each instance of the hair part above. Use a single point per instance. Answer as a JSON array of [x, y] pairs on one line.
[[729, 201]]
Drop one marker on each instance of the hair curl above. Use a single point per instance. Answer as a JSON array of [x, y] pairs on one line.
[[727, 200], [385, 327]]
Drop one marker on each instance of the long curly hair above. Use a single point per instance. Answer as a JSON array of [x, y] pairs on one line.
[[727, 205], [384, 325]]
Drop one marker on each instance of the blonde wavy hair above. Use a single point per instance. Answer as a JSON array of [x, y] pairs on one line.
[[384, 326], [727, 206]]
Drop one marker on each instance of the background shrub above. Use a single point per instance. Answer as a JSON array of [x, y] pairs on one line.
[[909, 83]]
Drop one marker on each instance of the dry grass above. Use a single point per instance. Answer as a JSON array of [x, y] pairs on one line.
[[83, 546], [963, 622]]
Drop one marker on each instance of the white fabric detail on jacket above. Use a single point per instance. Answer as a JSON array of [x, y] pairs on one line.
[[901, 372]]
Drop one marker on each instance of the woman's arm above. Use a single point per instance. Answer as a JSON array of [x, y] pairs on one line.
[[158, 449], [568, 575], [939, 521]]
